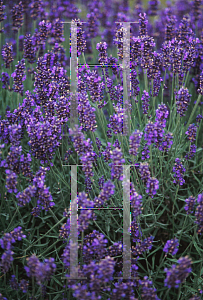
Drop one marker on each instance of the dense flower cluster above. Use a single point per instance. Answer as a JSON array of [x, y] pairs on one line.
[[171, 246], [44, 138], [177, 274], [41, 271], [148, 292]]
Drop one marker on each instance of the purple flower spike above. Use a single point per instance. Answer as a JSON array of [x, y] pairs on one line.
[[148, 292], [116, 170], [6, 260], [135, 140], [7, 54], [11, 181], [177, 274], [145, 102], [190, 204], [183, 99], [191, 133], [101, 47], [178, 169], [152, 186]]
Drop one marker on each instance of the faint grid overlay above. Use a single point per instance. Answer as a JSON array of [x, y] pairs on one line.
[[126, 168]]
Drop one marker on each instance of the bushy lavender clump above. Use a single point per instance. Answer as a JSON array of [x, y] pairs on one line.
[[177, 274], [179, 170], [41, 271], [18, 77], [135, 140], [44, 138], [171, 246], [190, 204], [94, 246], [99, 276], [7, 54], [10, 238]]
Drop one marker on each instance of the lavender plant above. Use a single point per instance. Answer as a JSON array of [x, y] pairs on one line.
[[48, 167]]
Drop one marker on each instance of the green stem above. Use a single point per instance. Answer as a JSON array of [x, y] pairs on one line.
[[193, 111], [145, 80]]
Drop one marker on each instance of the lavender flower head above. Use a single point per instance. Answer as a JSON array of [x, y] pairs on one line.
[[178, 169], [135, 140], [145, 102], [171, 246], [190, 204], [11, 181], [152, 186], [101, 47], [18, 77], [191, 133], [177, 274], [116, 170], [183, 99], [7, 54]]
